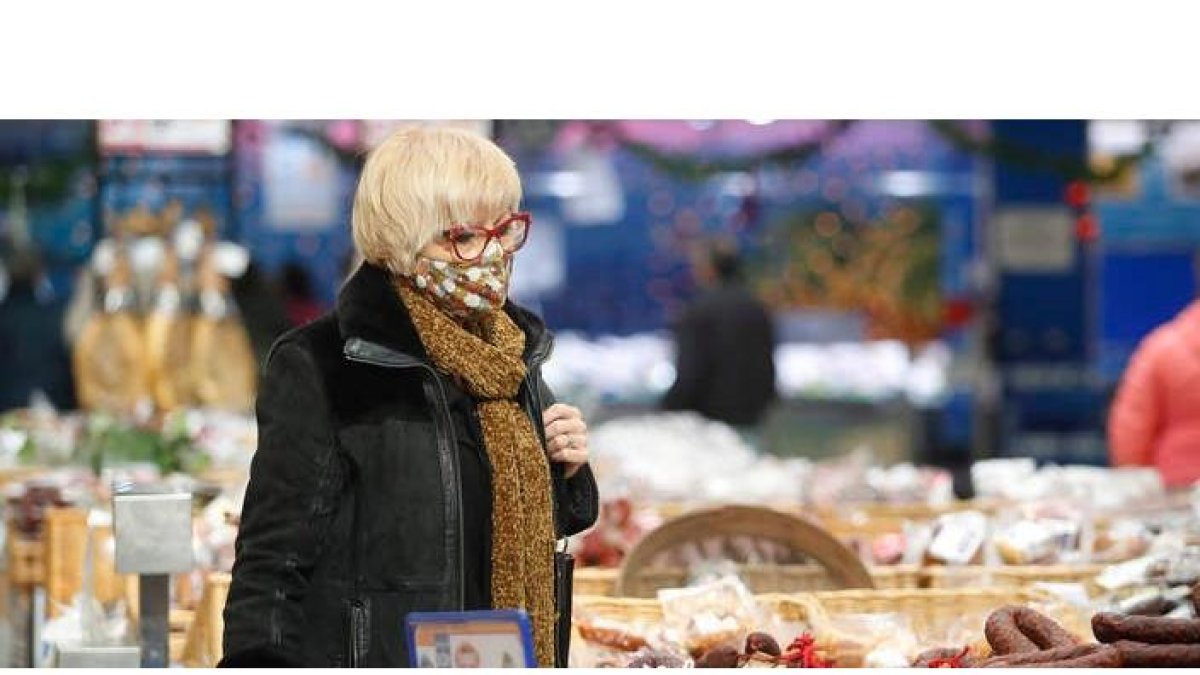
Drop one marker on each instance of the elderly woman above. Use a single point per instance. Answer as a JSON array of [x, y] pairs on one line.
[[410, 457]]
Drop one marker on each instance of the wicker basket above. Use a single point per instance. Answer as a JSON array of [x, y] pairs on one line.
[[927, 609], [889, 577], [1012, 576], [903, 511], [931, 613], [602, 581], [204, 637], [66, 537], [632, 611], [935, 615], [640, 576], [26, 561], [595, 581]]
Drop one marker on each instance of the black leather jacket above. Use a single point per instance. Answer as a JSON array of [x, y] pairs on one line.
[[353, 515]]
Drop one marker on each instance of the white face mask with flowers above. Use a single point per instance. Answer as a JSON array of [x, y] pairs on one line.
[[466, 292]]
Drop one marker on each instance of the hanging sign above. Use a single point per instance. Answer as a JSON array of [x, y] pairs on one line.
[[136, 137]]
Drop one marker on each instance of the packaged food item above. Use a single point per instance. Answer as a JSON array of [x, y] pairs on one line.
[[1130, 573], [860, 639], [917, 537], [958, 538], [657, 657], [1033, 542], [1123, 540], [722, 612], [606, 643], [888, 549]]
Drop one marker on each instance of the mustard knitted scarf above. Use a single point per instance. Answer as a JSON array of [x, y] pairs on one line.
[[490, 367]]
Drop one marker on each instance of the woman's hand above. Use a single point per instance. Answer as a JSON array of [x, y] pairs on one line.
[[566, 437]]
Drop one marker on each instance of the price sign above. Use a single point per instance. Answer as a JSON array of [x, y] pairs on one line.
[[480, 639]]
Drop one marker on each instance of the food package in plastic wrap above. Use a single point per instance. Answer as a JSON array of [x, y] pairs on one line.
[[607, 642], [958, 538], [871, 640], [1033, 542], [722, 612], [1123, 540]]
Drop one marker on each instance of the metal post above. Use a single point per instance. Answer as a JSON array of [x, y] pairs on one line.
[[153, 530], [154, 594]]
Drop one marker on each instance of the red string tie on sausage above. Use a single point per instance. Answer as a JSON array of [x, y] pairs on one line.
[[802, 653], [952, 662]]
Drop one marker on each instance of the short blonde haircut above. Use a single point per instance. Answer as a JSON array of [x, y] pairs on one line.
[[420, 181]]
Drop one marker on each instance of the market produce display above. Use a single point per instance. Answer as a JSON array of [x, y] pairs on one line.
[[1073, 542]]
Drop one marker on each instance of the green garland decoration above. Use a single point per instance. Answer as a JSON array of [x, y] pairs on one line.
[[46, 181], [1017, 154], [695, 169]]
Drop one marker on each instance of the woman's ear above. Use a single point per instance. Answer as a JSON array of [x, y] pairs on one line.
[[421, 266]]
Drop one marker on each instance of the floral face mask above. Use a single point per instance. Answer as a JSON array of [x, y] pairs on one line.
[[466, 292]]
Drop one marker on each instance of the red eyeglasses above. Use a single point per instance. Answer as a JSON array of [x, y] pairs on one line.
[[469, 243]]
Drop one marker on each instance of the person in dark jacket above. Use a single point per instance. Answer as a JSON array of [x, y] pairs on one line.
[[724, 347], [263, 310], [33, 355], [410, 456]]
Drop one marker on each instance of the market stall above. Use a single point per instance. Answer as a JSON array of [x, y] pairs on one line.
[[819, 545]]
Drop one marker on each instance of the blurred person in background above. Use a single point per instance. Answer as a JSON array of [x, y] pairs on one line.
[[33, 351], [725, 347], [301, 299], [410, 457], [1155, 416], [262, 307]]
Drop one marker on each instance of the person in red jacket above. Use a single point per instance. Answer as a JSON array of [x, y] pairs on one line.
[[1155, 417]]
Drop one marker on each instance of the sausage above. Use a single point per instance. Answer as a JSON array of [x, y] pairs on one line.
[[1155, 606], [612, 637], [761, 642], [1159, 630], [1043, 630], [721, 656], [1057, 654], [961, 655], [1004, 636], [1139, 655], [928, 655], [1106, 657]]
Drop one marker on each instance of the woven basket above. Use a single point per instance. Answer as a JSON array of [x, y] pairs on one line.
[[1012, 576], [641, 577], [26, 561], [931, 613], [898, 511], [594, 581], [939, 615], [66, 537], [602, 581], [632, 611], [204, 637], [926, 608], [897, 576]]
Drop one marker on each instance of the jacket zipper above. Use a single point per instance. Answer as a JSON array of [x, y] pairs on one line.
[[357, 627], [399, 361]]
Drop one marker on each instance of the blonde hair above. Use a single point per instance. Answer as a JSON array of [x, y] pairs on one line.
[[420, 181]]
